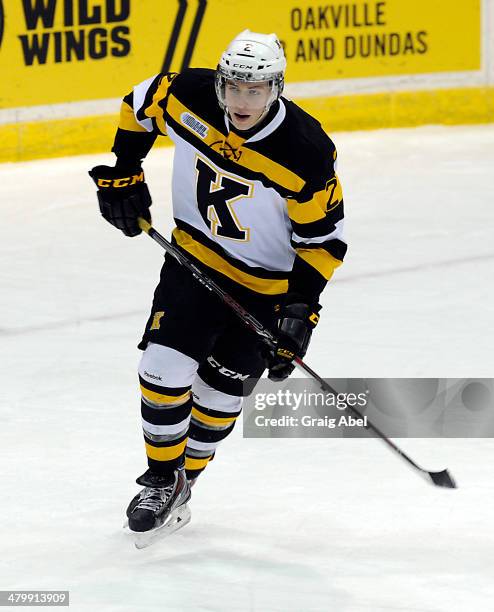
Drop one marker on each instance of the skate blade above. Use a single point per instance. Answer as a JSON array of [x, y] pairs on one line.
[[177, 519]]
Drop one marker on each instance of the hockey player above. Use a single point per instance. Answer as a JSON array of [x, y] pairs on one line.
[[258, 206]]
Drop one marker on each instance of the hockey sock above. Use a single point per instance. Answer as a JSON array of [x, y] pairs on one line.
[[207, 429], [165, 415]]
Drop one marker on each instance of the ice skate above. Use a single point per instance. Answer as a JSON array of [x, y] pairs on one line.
[[192, 481], [160, 508]]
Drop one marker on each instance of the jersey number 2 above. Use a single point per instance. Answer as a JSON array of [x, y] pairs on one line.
[[215, 195]]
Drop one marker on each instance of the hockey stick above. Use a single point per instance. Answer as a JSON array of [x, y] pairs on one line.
[[440, 479]]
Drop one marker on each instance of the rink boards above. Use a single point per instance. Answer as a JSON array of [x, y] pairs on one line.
[[354, 65]]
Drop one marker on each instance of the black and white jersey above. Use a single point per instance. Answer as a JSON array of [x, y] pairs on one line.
[[266, 210]]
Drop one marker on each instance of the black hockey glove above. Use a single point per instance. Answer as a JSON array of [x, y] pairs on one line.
[[295, 324], [123, 196]]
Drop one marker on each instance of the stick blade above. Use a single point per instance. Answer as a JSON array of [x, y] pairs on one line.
[[443, 479]]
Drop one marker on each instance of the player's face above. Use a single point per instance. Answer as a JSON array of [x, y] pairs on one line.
[[246, 102]]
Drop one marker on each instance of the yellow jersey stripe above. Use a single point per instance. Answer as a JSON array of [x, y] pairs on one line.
[[234, 140], [211, 420], [322, 202], [127, 119], [165, 453], [213, 260], [321, 260], [252, 160], [159, 398], [306, 212], [175, 108]]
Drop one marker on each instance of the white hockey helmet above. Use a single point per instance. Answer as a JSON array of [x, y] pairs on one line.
[[252, 57]]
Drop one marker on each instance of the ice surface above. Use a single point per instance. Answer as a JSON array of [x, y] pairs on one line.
[[277, 525]]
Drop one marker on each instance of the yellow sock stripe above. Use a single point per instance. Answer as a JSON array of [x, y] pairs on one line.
[[196, 464], [211, 420], [165, 453], [160, 398]]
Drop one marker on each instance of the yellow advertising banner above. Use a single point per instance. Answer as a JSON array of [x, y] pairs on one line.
[[335, 40], [54, 51]]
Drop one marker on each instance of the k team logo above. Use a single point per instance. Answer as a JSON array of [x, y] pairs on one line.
[[217, 193]]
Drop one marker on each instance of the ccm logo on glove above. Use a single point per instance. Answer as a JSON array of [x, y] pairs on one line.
[[123, 197], [296, 320], [125, 181]]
